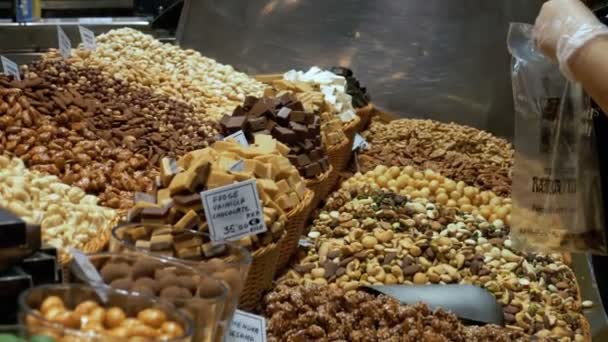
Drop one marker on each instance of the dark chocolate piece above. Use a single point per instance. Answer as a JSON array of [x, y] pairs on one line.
[[296, 106], [306, 145], [303, 160], [239, 111], [256, 124], [300, 130], [283, 115], [250, 101], [265, 106], [298, 116], [312, 170], [233, 123], [284, 135], [186, 200]]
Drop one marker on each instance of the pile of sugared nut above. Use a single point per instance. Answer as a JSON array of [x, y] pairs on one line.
[[68, 217], [212, 88], [459, 152], [433, 186], [367, 237], [90, 316]]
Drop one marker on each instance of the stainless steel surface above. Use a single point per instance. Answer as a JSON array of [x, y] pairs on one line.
[[85, 4], [596, 315], [438, 59]]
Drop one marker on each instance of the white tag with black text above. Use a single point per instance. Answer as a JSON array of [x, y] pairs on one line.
[[65, 45], [247, 327], [359, 143], [234, 211], [89, 271], [240, 137], [88, 38], [10, 68]]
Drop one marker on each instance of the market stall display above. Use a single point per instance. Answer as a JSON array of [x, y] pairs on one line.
[[459, 152], [378, 237], [213, 89]]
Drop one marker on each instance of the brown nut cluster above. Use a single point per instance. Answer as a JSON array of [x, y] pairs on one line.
[[89, 316], [431, 185], [374, 238], [51, 132], [318, 313], [459, 152]]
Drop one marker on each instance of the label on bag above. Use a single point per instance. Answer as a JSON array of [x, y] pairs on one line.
[[360, 143], [88, 38], [233, 211], [10, 68], [65, 45], [240, 137], [247, 327], [90, 272]]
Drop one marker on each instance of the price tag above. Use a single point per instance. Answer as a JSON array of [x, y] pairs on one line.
[[90, 272], [65, 45], [233, 211], [247, 327], [240, 137], [239, 166], [88, 38], [10, 68], [360, 143]]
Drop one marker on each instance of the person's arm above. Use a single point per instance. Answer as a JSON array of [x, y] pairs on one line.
[[568, 32], [589, 66]]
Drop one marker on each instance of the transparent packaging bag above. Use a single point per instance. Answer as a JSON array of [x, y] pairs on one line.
[[557, 185]]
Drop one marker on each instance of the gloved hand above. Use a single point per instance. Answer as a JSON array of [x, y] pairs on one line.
[[563, 27]]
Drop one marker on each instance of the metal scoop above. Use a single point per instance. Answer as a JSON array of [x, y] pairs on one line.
[[473, 305]]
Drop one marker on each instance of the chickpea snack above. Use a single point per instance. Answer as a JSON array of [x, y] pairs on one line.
[[71, 313]]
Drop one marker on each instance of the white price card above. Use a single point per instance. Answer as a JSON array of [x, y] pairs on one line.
[[10, 68], [247, 327], [65, 45], [88, 38], [240, 137], [359, 143], [89, 271], [233, 211], [239, 166]]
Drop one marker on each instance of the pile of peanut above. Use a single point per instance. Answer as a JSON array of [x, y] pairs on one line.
[[68, 217], [212, 88], [459, 152], [368, 237], [436, 188]]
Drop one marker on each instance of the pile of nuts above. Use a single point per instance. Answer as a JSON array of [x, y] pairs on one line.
[[90, 316], [313, 312], [51, 131], [384, 238], [431, 185], [459, 152], [68, 217], [128, 115], [212, 88]]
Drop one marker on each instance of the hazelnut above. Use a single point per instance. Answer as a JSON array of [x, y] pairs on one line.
[[152, 317]]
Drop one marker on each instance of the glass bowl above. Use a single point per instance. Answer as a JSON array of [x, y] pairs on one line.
[[196, 293], [65, 327], [226, 261]]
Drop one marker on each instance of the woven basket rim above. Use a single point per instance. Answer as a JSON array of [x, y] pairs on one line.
[[96, 244], [324, 176], [335, 147], [308, 197], [351, 124]]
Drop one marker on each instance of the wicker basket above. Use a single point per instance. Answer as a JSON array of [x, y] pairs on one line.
[[296, 222], [365, 116], [260, 276], [339, 156], [322, 186], [351, 129]]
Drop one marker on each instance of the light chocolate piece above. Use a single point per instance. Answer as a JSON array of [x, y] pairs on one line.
[[163, 196], [187, 222], [161, 242], [189, 253], [142, 244], [219, 178], [269, 186], [186, 241], [283, 187], [137, 233]]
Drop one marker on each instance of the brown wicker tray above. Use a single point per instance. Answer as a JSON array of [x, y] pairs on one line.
[[296, 223]]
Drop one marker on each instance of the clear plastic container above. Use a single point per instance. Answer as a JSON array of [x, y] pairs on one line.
[[71, 295], [229, 263], [203, 303]]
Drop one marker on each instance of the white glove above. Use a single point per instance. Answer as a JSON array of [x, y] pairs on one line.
[[563, 27]]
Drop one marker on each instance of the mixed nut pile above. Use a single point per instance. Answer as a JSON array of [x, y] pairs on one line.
[[313, 312], [459, 152], [375, 237]]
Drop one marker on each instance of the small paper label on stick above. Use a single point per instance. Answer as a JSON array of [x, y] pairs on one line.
[[247, 327], [240, 137], [233, 211], [10, 68], [65, 45], [359, 143], [88, 38], [239, 166], [90, 272]]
